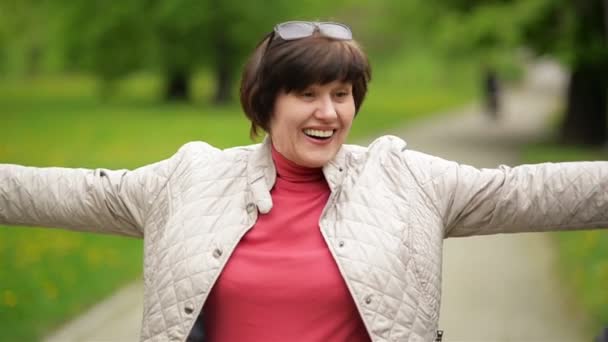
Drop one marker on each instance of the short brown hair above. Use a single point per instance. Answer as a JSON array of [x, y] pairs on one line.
[[293, 65]]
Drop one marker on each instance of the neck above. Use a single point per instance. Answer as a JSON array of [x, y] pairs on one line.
[[290, 171]]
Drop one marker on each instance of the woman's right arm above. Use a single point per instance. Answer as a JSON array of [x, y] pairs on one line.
[[99, 200]]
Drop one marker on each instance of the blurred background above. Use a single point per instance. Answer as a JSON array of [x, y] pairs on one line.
[[119, 85]]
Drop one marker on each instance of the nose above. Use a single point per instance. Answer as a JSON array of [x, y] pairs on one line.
[[326, 108]]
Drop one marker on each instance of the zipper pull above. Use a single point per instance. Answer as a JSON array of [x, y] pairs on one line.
[[439, 336]]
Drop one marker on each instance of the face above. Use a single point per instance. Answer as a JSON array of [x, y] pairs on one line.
[[308, 127]]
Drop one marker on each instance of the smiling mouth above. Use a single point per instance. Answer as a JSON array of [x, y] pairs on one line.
[[319, 133]]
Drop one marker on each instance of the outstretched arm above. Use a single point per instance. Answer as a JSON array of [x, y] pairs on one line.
[[105, 201], [539, 197]]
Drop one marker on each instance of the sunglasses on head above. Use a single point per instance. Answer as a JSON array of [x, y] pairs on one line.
[[292, 30]]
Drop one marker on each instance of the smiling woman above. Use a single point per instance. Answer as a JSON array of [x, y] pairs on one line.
[[309, 127], [317, 57], [301, 237], [303, 85]]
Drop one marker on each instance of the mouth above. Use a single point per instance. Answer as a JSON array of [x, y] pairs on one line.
[[319, 134]]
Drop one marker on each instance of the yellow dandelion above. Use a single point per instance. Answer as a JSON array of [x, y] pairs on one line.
[[9, 298], [591, 240], [94, 257], [50, 290]]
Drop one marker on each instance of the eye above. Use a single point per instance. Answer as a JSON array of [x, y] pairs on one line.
[[307, 94], [342, 94]]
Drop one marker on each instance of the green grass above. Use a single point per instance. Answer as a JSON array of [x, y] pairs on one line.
[[48, 276], [582, 255]]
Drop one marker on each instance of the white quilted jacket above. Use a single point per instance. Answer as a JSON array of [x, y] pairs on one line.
[[390, 209]]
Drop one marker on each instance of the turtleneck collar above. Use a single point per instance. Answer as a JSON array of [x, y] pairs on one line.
[[294, 173]]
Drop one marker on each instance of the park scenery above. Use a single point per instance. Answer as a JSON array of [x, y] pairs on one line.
[[119, 85]]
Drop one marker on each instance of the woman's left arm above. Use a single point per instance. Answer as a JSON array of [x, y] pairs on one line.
[[538, 197]]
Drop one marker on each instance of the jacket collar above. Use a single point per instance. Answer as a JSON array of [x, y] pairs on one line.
[[261, 173]]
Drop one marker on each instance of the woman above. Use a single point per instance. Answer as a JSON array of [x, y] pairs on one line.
[[302, 237]]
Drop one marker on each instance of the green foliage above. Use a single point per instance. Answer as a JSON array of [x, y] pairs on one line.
[[385, 27], [104, 38], [583, 256], [584, 260], [25, 36], [173, 37], [113, 40], [574, 31], [3, 46]]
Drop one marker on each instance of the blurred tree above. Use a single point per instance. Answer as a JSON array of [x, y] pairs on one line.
[[581, 25], [386, 28], [177, 37], [179, 31], [217, 34], [24, 35], [213, 33], [180, 37], [106, 39], [576, 32], [3, 42]]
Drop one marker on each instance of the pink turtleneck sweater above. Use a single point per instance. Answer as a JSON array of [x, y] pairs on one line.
[[281, 283]]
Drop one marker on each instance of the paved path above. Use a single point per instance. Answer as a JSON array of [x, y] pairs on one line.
[[495, 288], [501, 288]]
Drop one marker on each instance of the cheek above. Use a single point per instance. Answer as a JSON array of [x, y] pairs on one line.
[[351, 117], [281, 133], [348, 116]]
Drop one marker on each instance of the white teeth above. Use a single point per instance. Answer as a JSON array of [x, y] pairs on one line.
[[318, 133]]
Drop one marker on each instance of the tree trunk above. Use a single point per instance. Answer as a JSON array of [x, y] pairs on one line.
[[223, 79], [585, 120], [33, 59], [178, 86], [223, 72], [606, 20]]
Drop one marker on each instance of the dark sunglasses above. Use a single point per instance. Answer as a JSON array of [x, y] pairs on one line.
[[292, 30]]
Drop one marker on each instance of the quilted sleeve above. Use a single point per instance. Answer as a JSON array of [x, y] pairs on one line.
[[526, 198], [103, 201]]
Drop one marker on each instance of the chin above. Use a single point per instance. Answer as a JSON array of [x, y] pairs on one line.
[[315, 158], [311, 163], [316, 162]]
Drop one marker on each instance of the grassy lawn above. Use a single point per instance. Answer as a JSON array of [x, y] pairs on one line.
[[583, 255], [49, 276]]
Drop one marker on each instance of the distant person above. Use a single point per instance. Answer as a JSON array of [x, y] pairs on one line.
[[302, 237], [491, 92]]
